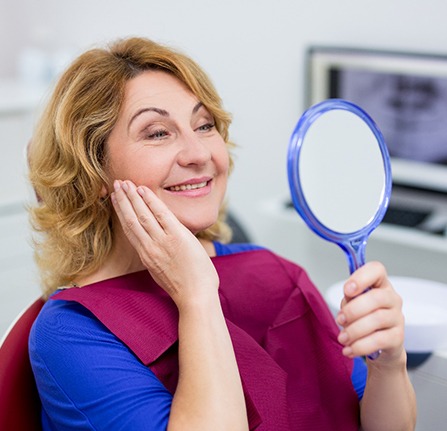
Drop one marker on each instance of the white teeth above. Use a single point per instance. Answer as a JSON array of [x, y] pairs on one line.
[[188, 187]]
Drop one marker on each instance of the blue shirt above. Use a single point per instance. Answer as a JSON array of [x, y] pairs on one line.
[[89, 380]]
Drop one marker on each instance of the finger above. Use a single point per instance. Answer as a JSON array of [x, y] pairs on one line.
[[126, 215], [368, 303], [370, 275], [379, 320], [384, 340], [159, 210], [343, 302], [145, 216]]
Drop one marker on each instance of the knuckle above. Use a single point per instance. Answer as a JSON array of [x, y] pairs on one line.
[[129, 224], [379, 298], [399, 302], [398, 335], [162, 215], [383, 319], [380, 318], [143, 219], [379, 266]]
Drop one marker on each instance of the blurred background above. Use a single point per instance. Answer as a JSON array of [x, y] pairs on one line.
[[254, 52]]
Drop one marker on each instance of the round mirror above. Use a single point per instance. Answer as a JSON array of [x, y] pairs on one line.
[[343, 179], [339, 174]]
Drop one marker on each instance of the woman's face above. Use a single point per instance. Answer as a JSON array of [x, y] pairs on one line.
[[166, 140]]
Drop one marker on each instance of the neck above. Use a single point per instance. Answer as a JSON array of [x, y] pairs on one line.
[[124, 259]]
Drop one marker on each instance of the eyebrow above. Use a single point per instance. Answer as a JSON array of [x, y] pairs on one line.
[[159, 111]]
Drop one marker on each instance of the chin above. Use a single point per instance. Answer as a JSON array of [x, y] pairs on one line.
[[195, 225], [197, 229]]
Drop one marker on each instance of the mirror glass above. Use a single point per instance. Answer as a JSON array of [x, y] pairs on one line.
[[341, 171]]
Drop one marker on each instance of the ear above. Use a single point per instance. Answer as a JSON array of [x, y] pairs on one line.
[[104, 192]]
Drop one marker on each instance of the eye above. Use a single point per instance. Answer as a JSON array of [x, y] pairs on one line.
[[206, 127], [157, 134]]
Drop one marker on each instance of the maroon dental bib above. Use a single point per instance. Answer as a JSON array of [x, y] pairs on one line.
[[285, 339]]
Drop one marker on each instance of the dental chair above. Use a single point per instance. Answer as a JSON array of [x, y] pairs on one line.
[[19, 400]]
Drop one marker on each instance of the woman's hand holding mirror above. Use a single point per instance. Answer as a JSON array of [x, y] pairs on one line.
[[372, 321]]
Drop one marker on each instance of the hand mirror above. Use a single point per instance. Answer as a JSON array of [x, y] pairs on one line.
[[340, 175]]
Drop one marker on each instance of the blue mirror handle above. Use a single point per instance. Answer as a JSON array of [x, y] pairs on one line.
[[355, 252]]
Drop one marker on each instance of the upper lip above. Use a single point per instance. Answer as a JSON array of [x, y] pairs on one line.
[[191, 181]]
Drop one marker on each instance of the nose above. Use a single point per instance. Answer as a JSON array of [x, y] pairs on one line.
[[194, 150]]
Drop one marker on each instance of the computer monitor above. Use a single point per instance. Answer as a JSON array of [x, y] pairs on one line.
[[406, 95]]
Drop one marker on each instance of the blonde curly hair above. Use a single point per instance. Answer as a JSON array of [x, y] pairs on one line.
[[67, 158]]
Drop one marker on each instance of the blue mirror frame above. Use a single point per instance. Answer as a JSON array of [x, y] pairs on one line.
[[352, 243]]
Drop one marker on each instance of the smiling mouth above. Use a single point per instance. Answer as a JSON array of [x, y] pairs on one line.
[[184, 187]]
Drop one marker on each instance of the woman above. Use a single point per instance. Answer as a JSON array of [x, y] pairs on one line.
[[153, 322]]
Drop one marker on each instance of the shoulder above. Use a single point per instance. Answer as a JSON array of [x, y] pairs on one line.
[[58, 315], [61, 317], [61, 327]]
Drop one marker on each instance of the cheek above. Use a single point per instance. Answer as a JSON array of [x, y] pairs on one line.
[[133, 166], [222, 160]]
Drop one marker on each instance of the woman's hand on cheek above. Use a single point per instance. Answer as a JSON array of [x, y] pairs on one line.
[[171, 253], [371, 320]]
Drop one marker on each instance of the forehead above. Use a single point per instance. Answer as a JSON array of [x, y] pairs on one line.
[[155, 87]]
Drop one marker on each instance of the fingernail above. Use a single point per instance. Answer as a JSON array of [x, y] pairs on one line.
[[341, 319], [125, 187], [351, 288], [347, 351], [116, 185], [140, 191], [343, 337]]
